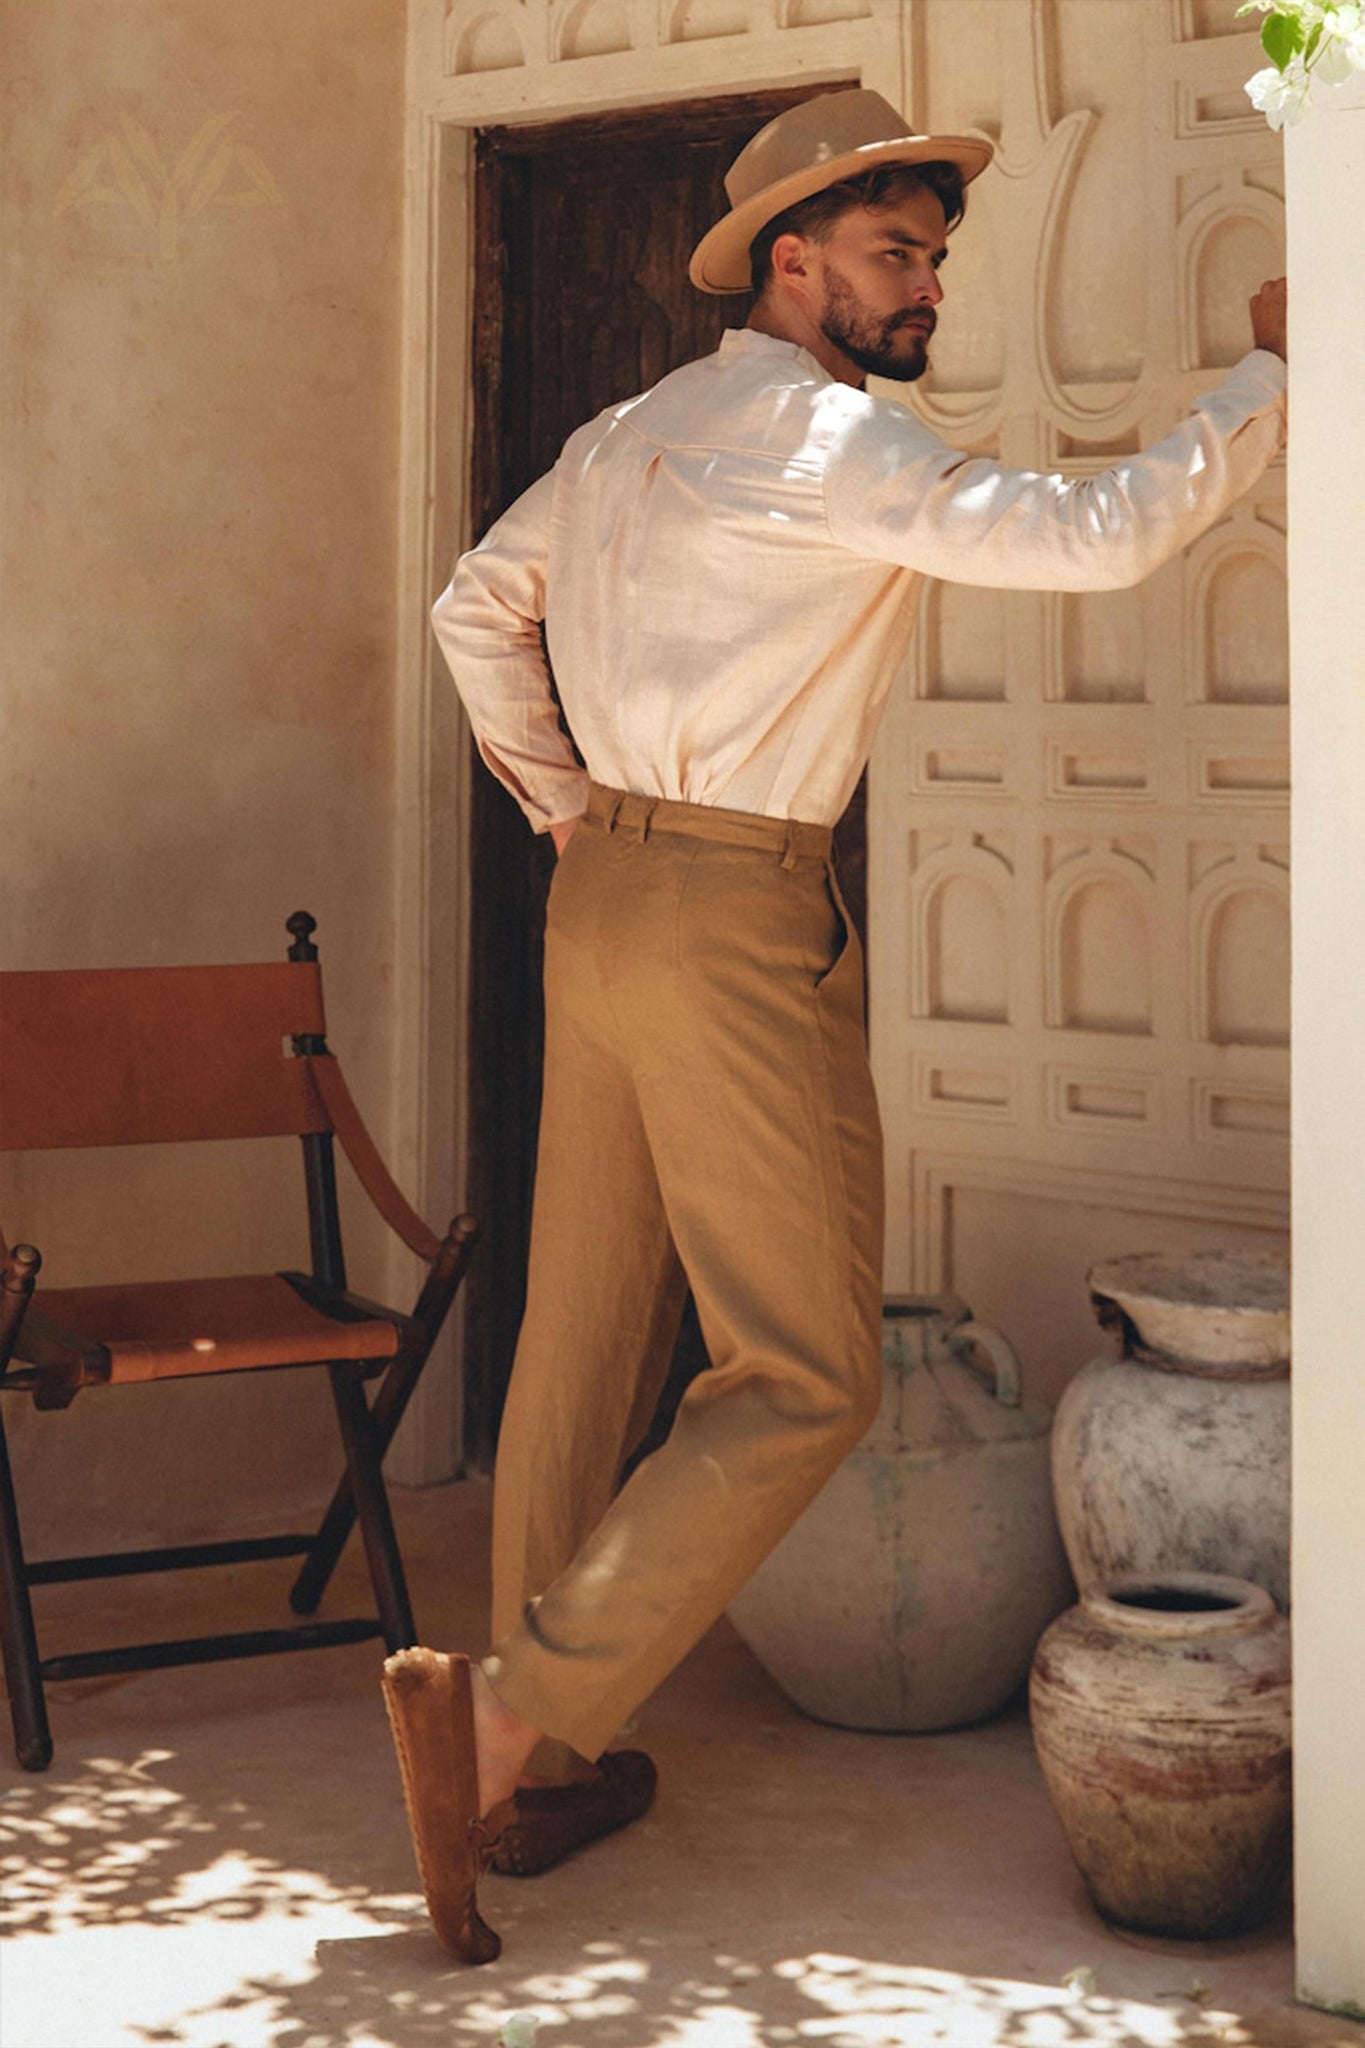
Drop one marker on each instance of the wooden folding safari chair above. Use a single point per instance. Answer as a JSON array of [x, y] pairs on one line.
[[159, 1055]]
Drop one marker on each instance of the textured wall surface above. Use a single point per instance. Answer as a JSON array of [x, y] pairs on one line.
[[203, 211], [1080, 803]]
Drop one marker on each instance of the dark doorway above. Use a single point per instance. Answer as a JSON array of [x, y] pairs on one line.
[[583, 233]]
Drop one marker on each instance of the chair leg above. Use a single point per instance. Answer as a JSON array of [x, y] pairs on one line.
[[395, 1391], [366, 1485], [23, 1675]]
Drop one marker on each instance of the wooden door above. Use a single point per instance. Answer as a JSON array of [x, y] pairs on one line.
[[584, 230]]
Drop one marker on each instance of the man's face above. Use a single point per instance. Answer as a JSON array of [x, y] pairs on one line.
[[879, 274]]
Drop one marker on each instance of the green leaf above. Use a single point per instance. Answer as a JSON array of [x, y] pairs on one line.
[[1311, 45], [1281, 38]]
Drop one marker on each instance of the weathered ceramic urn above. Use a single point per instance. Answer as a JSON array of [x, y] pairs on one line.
[[911, 1593], [1161, 1716], [1174, 1456]]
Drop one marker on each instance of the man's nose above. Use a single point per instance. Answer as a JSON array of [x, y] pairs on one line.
[[928, 290]]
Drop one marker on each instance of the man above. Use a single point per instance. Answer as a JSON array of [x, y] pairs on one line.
[[727, 568]]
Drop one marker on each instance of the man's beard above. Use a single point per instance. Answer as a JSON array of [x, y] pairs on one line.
[[869, 342]]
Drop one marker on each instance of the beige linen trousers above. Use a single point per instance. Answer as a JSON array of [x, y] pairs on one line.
[[708, 1118]]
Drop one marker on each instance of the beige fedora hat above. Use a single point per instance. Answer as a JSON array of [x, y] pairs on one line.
[[836, 135]]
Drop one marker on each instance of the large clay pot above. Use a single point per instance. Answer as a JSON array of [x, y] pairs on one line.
[[1161, 1715], [1175, 1455], [911, 1593]]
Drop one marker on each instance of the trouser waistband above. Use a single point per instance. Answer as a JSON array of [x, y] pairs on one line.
[[616, 810]]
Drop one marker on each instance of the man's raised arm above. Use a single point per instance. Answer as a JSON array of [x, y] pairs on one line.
[[895, 491]]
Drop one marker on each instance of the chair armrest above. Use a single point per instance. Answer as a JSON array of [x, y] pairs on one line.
[[361, 1150]]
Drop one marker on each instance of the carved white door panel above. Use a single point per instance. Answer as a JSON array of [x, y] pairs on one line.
[[1079, 825]]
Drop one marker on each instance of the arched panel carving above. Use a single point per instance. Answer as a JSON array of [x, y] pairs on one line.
[[815, 13], [1198, 21], [1248, 981], [1235, 256], [1239, 931], [961, 646], [960, 963], [1102, 647], [968, 978], [1106, 973], [1239, 629], [1227, 244], [591, 28], [1239, 938], [483, 40], [1099, 945], [1246, 632], [691, 21]]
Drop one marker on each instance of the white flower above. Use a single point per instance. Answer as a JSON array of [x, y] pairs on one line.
[[1282, 96], [1343, 43], [1333, 65]]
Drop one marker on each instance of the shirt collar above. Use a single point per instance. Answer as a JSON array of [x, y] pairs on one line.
[[747, 341]]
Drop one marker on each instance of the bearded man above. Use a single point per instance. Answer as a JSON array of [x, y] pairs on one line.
[[727, 569]]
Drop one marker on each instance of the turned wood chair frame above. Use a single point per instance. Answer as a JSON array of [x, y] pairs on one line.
[[87, 1091]]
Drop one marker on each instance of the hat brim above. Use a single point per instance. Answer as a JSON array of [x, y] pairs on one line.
[[720, 261]]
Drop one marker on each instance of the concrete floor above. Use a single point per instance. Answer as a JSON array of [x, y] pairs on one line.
[[218, 1859]]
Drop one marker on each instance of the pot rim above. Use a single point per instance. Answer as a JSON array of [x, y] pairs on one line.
[[1250, 1606]]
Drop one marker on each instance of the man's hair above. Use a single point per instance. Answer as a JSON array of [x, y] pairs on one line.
[[815, 217]]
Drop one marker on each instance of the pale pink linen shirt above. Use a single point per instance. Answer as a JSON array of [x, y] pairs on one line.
[[728, 569]]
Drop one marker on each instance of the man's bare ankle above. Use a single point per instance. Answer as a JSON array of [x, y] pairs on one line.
[[503, 1740]]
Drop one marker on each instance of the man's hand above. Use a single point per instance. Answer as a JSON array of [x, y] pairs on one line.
[[1268, 317], [562, 834]]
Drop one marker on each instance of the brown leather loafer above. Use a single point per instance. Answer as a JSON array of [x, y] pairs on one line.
[[551, 1822], [431, 1713]]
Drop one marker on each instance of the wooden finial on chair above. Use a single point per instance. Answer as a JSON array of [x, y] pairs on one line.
[[17, 1276], [21, 1269], [302, 926]]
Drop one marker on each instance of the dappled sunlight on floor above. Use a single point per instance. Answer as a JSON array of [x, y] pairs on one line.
[[218, 1859]]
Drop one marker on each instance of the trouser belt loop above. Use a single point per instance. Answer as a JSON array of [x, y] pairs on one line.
[[613, 813], [646, 821], [789, 849]]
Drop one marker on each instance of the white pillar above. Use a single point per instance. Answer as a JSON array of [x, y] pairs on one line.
[[1325, 161]]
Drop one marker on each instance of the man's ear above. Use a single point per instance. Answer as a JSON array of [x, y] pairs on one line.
[[791, 261]]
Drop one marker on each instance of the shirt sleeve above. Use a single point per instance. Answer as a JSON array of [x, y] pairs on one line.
[[487, 622], [894, 491]]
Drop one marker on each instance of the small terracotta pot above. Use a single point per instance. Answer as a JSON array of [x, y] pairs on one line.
[[1161, 1716]]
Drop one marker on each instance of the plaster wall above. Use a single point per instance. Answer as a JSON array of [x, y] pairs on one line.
[[1325, 159], [202, 242]]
